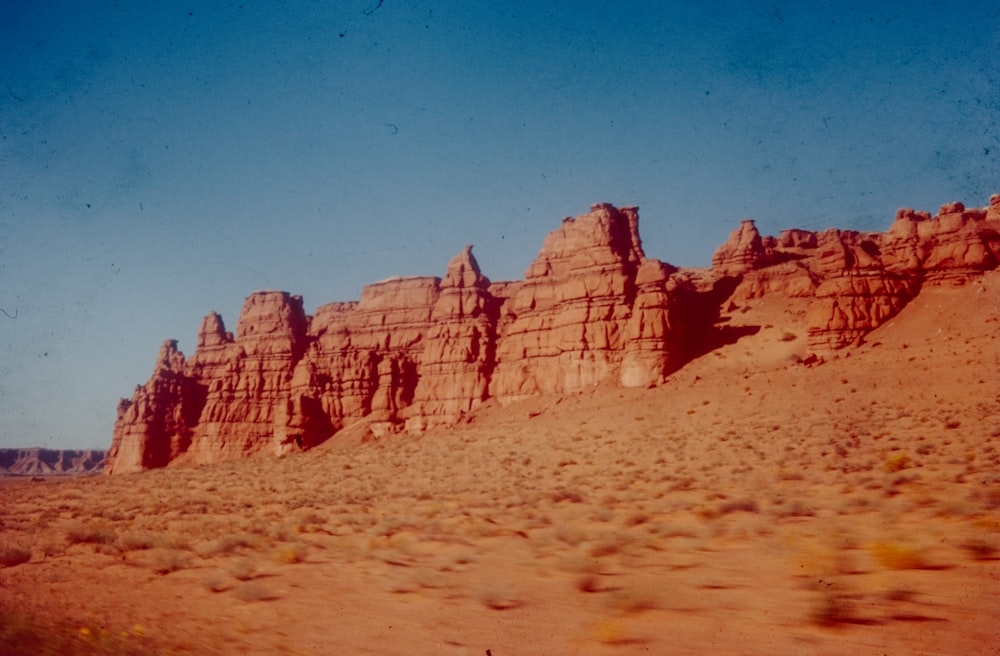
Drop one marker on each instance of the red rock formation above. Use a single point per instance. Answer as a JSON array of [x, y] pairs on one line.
[[855, 294], [416, 353], [743, 252], [460, 351], [155, 427], [652, 344], [248, 393], [673, 319], [562, 328], [954, 244], [212, 332], [860, 280], [850, 306]]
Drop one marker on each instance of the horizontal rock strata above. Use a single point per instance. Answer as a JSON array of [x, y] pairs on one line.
[[422, 352], [859, 280], [36, 461]]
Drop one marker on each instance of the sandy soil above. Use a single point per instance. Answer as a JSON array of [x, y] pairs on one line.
[[751, 505]]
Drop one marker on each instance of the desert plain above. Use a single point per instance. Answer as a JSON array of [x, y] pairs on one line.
[[758, 502]]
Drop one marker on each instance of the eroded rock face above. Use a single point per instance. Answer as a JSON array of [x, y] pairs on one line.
[[860, 280], [743, 252], [850, 306], [673, 319], [414, 351], [948, 248], [155, 427], [460, 348], [248, 383], [421, 352], [562, 328]]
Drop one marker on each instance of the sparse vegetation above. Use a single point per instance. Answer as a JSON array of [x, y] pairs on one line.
[[24, 635], [835, 607], [165, 561], [291, 553], [252, 591], [242, 569], [11, 556], [644, 515], [136, 541], [739, 505], [897, 463], [498, 596], [96, 532], [894, 555]]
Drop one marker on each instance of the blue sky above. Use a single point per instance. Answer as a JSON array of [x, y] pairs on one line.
[[159, 160]]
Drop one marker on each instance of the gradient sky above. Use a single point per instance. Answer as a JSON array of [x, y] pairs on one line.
[[159, 160]]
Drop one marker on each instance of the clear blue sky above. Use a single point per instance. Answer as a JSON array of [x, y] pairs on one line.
[[159, 160]]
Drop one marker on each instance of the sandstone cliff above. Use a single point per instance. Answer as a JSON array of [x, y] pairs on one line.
[[416, 353], [859, 280]]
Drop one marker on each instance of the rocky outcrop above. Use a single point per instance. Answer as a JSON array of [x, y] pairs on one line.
[[563, 326], [412, 353], [51, 462], [743, 252], [155, 427], [248, 399], [859, 280], [673, 319], [421, 352], [460, 350], [953, 245]]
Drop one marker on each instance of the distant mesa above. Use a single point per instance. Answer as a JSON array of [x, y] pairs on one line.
[[423, 352], [50, 462]]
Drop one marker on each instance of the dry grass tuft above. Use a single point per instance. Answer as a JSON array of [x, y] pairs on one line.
[[290, 554], [498, 596], [637, 519], [166, 561], [134, 541], [892, 555], [12, 556], [226, 545], [569, 495], [980, 549], [242, 569], [588, 583], [834, 608], [609, 545], [739, 505], [95, 533], [896, 463], [637, 598], [217, 582], [252, 591], [614, 631]]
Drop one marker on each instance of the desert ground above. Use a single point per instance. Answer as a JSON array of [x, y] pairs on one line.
[[753, 504]]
